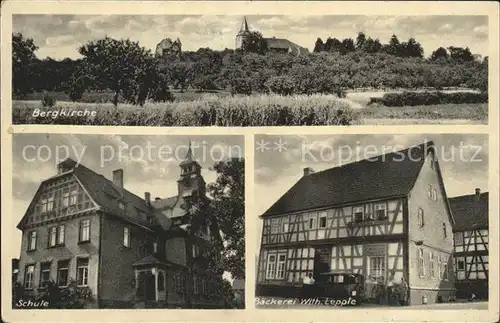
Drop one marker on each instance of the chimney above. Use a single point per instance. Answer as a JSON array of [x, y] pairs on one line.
[[118, 177], [478, 194], [147, 197], [308, 171]]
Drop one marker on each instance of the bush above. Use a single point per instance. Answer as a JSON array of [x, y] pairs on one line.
[[48, 100], [429, 98], [70, 297], [283, 85], [241, 86]]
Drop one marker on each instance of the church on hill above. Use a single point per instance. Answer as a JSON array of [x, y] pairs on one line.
[[279, 45]]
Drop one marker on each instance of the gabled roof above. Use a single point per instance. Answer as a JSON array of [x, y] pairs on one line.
[[470, 211], [282, 43], [384, 176], [107, 196], [151, 260]]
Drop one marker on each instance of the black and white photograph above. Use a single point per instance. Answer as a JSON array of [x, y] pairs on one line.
[[128, 221], [372, 221], [249, 70]]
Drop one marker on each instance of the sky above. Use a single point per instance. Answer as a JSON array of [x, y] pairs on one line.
[[59, 36], [35, 157], [280, 165]]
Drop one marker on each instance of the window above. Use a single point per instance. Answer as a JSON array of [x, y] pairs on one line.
[[155, 247], [432, 193], [82, 271], [121, 205], [178, 282], [84, 231], [73, 197], [358, 214], [65, 198], [161, 281], [322, 222], [280, 274], [461, 265], [195, 250], [380, 211], [285, 227], [196, 285], [421, 263], [311, 223], [274, 226], [62, 273], [28, 276], [420, 217], [52, 236], [377, 266], [431, 265], [32, 241], [126, 237], [44, 273], [61, 235], [445, 234], [271, 266], [445, 271]]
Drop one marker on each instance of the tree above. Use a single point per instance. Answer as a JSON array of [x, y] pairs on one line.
[[460, 55], [394, 46], [23, 57], [254, 43], [117, 65], [439, 54], [360, 40], [228, 206], [412, 48], [319, 45], [371, 46]]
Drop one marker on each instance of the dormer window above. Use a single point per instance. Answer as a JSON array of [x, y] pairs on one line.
[[121, 205], [381, 212]]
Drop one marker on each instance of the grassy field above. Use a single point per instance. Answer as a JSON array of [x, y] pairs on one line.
[[427, 114], [219, 108], [209, 110]]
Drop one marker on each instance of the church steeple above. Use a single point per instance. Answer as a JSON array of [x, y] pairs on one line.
[[244, 26], [190, 179], [243, 34]]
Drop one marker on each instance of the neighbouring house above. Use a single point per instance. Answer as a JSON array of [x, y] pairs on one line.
[[471, 244], [130, 251], [239, 291], [167, 48], [387, 218], [280, 45]]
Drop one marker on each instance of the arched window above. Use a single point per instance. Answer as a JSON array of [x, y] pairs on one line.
[[161, 281]]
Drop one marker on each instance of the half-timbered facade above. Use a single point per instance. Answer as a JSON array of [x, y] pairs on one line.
[[377, 217], [471, 244], [127, 250]]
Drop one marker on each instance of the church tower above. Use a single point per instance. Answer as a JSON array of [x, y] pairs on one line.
[[243, 34], [190, 182]]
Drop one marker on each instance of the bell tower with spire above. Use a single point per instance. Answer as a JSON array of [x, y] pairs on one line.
[[243, 34], [190, 181]]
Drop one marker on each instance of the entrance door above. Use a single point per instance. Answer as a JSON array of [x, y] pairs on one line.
[[321, 261], [147, 286]]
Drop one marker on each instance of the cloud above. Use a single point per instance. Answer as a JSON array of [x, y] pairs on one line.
[[59, 36]]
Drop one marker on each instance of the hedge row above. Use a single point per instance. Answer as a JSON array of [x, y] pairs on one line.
[[429, 98]]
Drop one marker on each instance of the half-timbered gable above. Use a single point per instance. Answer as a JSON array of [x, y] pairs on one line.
[[351, 218], [430, 235], [471, 242]]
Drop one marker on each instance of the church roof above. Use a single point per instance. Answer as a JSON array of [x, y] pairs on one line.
[[384, 176], [282, 43], [470, 211]]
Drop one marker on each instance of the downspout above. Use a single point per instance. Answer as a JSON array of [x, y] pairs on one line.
[[406, 260], [100, 261]]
